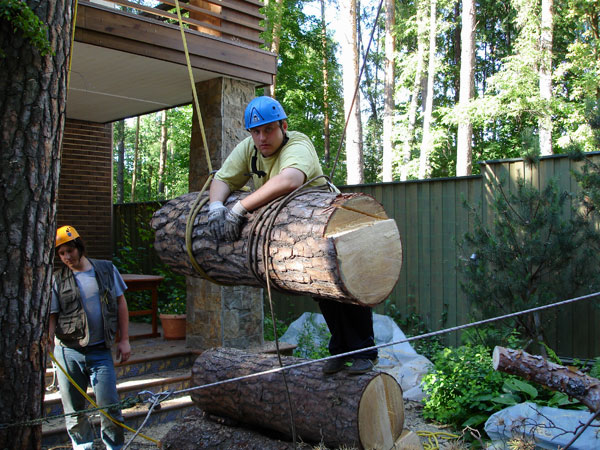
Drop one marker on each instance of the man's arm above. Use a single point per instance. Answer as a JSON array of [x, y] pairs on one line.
[[285, 182], [219, 191], [123, 347]]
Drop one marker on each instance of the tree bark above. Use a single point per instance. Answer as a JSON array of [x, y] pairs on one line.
[[354, 153], [388, 92], [546, 38], [163, 154], [408, 137], [275, 41], [365, 410], [336, 246], [135, 158], [325, 71], [33, 92], [570, 381], [199, 430], [428, 140], [119, 128], [464, 139]]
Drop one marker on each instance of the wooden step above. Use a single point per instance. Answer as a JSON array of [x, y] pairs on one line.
[[55, 434], [173, 380]]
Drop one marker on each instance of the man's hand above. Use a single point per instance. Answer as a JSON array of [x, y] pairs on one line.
[[216, 219], [234, 220], [123, 350]]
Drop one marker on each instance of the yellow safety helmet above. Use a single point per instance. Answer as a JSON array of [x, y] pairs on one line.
[[65, 234]]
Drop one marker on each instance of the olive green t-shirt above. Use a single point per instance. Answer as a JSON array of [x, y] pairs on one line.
[[298, 153]]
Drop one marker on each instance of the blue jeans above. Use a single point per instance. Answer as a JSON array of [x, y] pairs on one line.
[[89, 365]]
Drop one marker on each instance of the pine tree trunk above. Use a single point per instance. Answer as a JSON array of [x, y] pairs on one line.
[[464, 152], [570, 381], [163, 154], [337, 246], [428, 141], [325, 71], [365, 410], [120, 138], [275, 41], [388, 92], [33, 92], [354, 154], [408, 137], [546, 41], [135, 159]]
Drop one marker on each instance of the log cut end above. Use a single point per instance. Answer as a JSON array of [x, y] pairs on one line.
[[368, 248], [381, 413]]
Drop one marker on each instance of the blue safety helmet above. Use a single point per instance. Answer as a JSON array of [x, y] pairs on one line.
[[263, 110]]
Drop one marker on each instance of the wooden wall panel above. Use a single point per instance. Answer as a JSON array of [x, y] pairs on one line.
[[431, 219]]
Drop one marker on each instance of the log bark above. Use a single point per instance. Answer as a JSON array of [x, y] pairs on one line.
[[336, 246], [365, 410], [572, 382], [197, 430]]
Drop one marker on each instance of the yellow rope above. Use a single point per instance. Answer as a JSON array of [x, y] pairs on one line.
[[93, 403], [198, 204], [432, 438], [194, 93], [189, 226]]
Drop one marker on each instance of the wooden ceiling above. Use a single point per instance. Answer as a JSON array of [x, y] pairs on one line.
[[124, 65]]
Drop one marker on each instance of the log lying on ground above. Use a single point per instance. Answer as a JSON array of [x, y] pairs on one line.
[[570, 381], [198, 431], [336, 246], [365, 410]]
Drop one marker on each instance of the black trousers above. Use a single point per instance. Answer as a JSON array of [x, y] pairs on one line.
[[351, 327]]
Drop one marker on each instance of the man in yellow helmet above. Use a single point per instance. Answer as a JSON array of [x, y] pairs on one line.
[[87, 310]]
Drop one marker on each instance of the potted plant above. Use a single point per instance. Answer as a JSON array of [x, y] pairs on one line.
[[172, 314]]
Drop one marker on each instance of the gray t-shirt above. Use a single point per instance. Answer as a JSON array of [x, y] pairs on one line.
[[90, 296]]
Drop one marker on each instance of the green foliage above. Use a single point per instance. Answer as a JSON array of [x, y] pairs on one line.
[[492, 335], [22, 19], [300, 86], [179, 127], [313, 346], [463, 389], [530, 255], [268, 333], [461, 385]]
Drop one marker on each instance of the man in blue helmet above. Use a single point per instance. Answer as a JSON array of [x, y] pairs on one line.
[[280, 161]]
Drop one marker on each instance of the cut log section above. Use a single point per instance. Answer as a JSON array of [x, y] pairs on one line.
[[570, 381], [336, 246], [365, 410]]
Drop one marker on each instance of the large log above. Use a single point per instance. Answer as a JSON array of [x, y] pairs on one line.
[[365, 410], [337, 246], [570, 381]]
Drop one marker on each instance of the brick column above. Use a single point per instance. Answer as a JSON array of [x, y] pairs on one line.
[[217, 316], [85, 189]]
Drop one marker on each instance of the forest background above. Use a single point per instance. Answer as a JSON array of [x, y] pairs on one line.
[[443, 83]]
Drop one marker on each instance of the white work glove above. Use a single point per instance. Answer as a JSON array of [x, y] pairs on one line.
[[216, 219], [234, 219]]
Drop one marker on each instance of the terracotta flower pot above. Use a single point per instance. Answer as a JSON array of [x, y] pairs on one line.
[[173, 326]]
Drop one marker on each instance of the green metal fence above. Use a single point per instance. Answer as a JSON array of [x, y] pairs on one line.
[[431, 218]]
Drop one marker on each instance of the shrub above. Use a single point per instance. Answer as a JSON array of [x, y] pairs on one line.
[[268, 333], [460, 386], [464, 389], [313, 341]]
